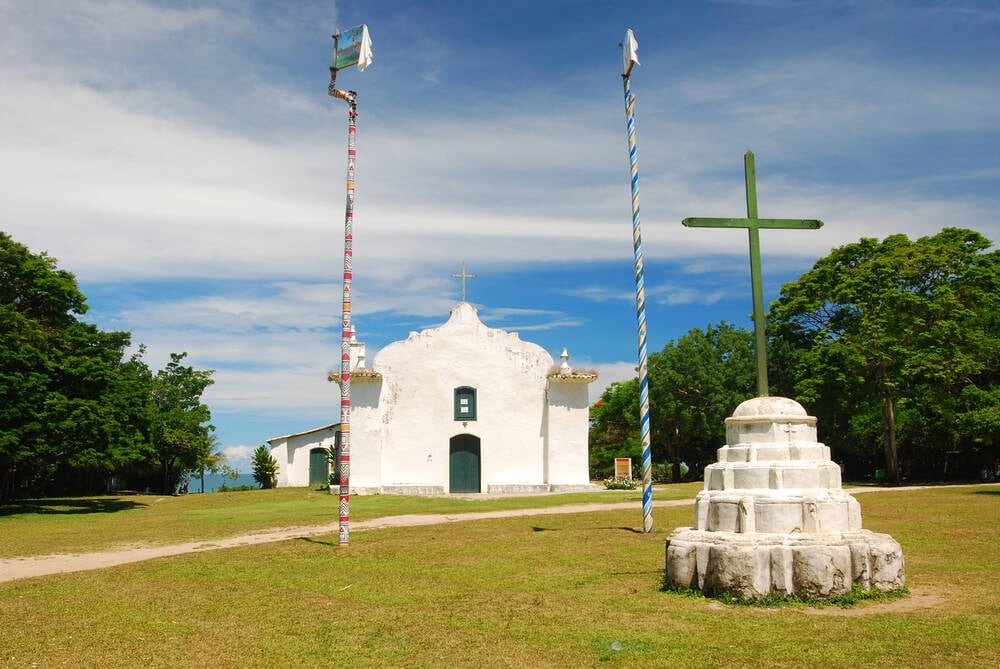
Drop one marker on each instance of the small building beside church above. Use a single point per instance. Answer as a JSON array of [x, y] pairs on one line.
[[302, 456], [460, 408]]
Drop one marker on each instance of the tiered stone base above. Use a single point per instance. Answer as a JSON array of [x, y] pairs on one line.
[[773, 517], [754, 565]]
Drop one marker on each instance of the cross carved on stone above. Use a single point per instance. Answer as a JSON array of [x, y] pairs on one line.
[[463, 276], [754, 224]]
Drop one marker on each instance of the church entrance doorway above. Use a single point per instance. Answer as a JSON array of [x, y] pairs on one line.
[[319, 470], [464, 463]]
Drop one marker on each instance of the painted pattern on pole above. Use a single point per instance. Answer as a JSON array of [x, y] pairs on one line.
[[357, 52], [344, 464], [640, 303]]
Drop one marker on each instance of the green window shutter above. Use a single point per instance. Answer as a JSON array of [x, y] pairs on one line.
[[465, 403]]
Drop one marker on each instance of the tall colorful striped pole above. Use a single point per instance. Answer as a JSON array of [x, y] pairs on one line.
[[344, 464], [630, 59], [351, 47]]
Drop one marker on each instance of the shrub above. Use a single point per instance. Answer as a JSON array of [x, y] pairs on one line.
[[620, 484], [235, 488], [265, 467]]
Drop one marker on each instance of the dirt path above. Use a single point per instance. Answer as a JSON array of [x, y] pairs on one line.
[[12, 569]]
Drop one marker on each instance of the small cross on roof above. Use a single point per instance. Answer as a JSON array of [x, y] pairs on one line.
[[463, 276]]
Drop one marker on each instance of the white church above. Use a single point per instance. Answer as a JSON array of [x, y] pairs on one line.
[[460, 408]]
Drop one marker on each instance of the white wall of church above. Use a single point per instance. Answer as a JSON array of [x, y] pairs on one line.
[[420, 375], [279, 451], [367, 428], [568, 421]]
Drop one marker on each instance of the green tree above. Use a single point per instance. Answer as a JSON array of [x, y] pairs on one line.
[[76, 414], [614, 427], [695, 382], [898, 337], [265, 467], [70, 405], [180, 432], [95, 424], [213, 460]]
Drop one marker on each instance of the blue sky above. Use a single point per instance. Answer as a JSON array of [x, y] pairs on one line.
[[184, 161]]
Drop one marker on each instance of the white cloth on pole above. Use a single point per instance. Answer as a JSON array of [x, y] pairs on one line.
[[629, 49], [365, 52]]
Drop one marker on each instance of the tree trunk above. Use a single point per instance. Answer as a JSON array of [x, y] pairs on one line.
[[7, 483], [673, 454], [166, 475], [889, 424]]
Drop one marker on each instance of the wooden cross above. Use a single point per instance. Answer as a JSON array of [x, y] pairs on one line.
[[463, 276], [753, 225]]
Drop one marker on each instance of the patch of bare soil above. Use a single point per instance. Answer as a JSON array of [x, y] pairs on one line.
[[919, 599]]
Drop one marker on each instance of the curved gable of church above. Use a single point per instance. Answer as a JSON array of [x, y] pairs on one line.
[[464, 345]]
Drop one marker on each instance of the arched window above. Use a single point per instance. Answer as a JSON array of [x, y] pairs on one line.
[[465, 403]]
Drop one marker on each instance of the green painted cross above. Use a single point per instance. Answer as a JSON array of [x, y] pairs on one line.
[[753, 225]]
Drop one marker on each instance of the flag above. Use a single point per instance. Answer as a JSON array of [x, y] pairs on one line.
[[365, 52], [353, 46], [629, 49]]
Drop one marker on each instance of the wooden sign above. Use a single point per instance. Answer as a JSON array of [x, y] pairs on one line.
[[623, 468]]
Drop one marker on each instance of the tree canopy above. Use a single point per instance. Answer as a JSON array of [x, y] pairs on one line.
[[180, 431], [694, 384], [77, 413], [614, 427], [897, 342]]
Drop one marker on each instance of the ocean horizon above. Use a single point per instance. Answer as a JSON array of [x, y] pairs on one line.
[[215, 481]]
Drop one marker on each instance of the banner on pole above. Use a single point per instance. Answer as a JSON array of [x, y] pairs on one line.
[[352, 47]]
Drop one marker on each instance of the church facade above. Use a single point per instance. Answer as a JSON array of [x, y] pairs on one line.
[[461, 408]]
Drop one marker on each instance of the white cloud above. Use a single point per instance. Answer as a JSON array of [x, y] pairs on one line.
[[666, 293], [176, 194], [145, 141], [608, 373], [302, 389], [239, 457]]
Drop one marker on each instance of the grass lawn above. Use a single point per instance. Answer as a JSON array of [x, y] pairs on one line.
[[559, 591], [86, 524]]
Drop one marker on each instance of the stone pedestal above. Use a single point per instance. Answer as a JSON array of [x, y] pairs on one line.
[[773, 517]]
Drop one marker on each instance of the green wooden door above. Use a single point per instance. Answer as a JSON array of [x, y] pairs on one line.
[[319, 470], [464, 464]]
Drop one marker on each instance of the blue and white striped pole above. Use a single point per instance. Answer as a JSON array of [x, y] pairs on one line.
[[629, 59]]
